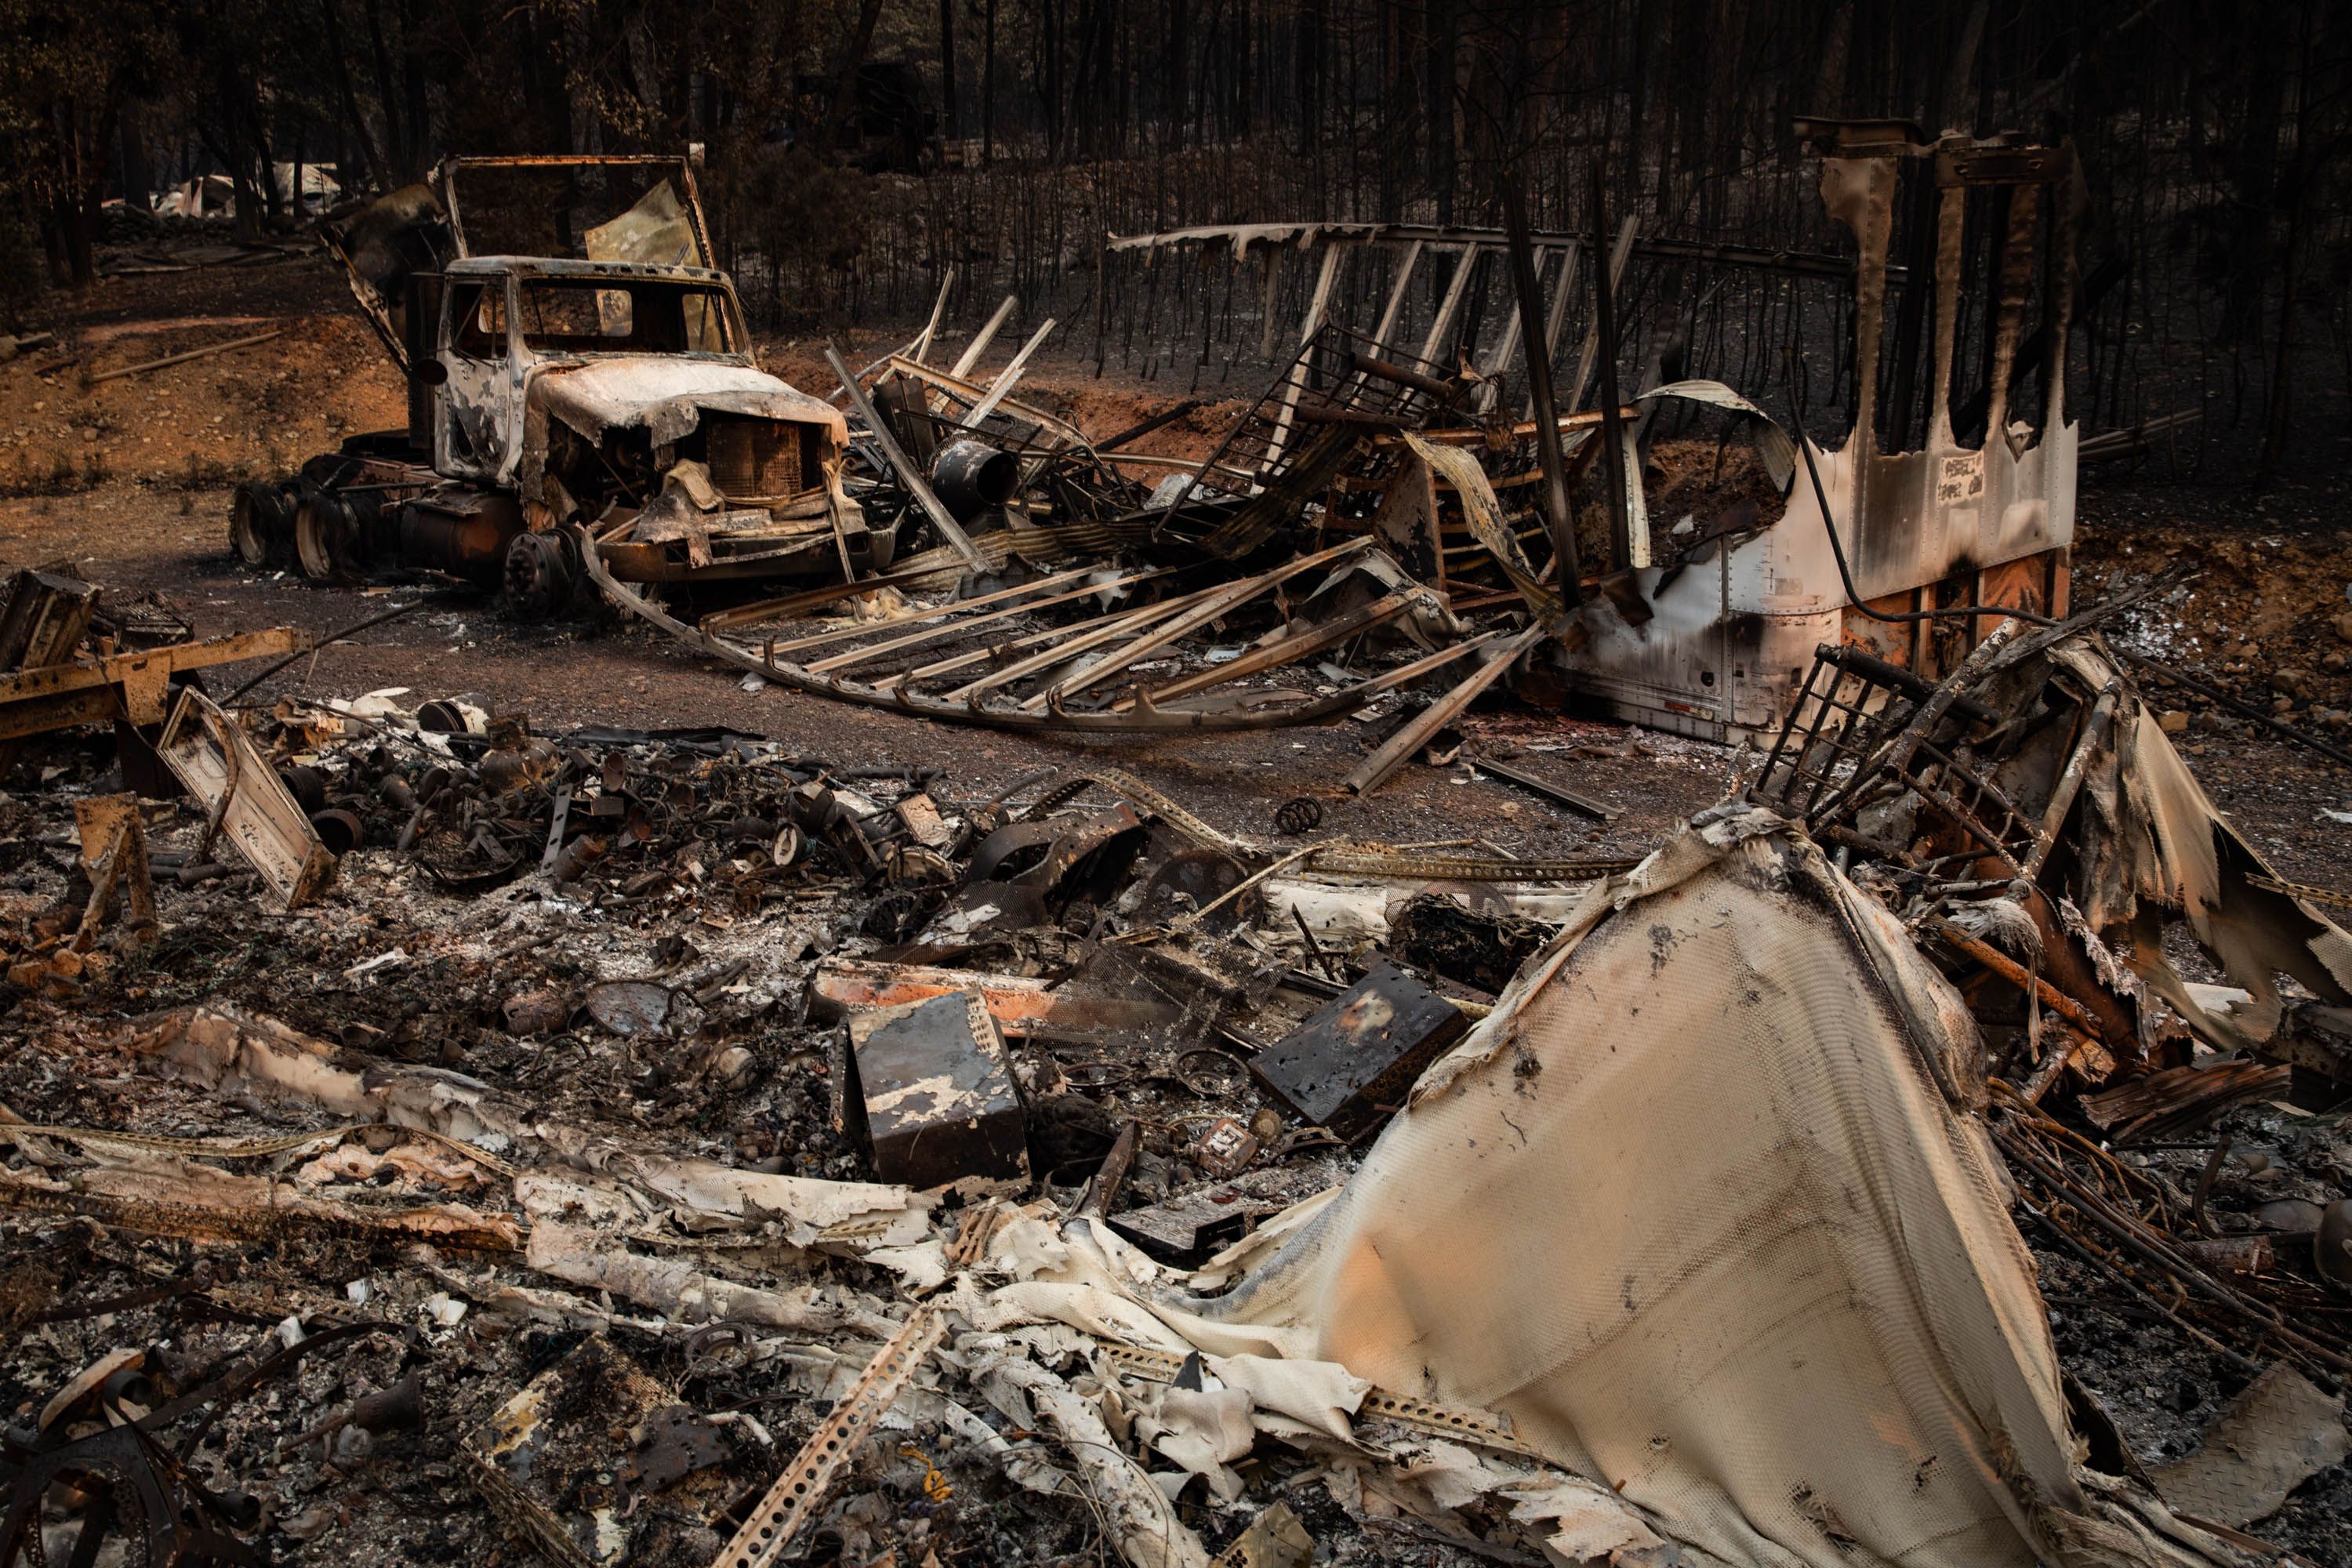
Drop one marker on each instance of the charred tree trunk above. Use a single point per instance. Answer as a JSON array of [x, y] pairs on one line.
[[379, 167], [949, 127], [988, 84]]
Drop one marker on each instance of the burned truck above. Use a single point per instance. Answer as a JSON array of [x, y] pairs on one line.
[[579, 376]]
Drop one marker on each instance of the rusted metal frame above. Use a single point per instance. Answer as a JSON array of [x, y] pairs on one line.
[[981, 339], [938, 309], [1456, 287], [1853, 740], [1842, 741], [791, 605], [1064, 641], [972, 393], [128, 685], [114, 853], [1961, 816], [2127, 1232], [1316, 307], [1898, 755], [909, 477], [1559, 511], [671, 163], [1586, 419], [1803, 263], [17, 686], [1950, 767], [842, 634], [1215, 460], [1856, 739], [1218, 605], [964, 626], [1289, 650], [2070, 780], [1141, 721], [1004, 379], [1788, 726], [41, 715], [1375, 769], [2009, 969]]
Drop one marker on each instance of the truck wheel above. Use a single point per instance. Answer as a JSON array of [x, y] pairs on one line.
[[326, 537], [261, 525], [543, 574]]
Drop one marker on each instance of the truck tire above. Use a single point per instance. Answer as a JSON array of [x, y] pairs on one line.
[[261, 525]]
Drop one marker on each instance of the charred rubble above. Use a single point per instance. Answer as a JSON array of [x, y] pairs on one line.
[[429, 1137]]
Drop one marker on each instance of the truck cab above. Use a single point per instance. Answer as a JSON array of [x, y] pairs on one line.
[[576, 366]]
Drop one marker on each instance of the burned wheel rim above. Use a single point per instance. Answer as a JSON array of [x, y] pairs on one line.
[[541, 577], [257, 525], [326, 538]]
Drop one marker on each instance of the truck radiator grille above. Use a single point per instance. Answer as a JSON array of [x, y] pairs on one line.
[[756, 459]]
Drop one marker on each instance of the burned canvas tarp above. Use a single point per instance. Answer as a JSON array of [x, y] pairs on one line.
[[1702, 1210]]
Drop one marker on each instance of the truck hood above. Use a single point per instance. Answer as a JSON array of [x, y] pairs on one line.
[[668, 394]]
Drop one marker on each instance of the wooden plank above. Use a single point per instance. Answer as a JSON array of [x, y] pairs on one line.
[[1375, 769]]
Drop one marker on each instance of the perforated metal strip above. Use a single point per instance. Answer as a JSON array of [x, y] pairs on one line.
[[1377, 860], [1136, 792], [2304, 891], [1467, 1426], [787, 1508]]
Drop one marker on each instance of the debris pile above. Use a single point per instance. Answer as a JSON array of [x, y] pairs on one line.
[[428, 1137], [652, 1147]]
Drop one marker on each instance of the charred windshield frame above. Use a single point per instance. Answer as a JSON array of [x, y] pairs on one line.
[[591, 315]]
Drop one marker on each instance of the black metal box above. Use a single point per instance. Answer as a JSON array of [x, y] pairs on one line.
[[1352, 1062], [934, 1096]]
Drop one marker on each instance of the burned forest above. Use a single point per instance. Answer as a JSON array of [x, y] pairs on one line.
[[1208, 783]]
